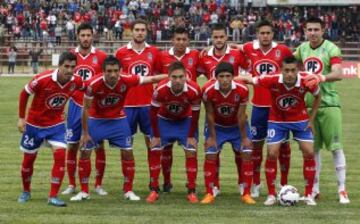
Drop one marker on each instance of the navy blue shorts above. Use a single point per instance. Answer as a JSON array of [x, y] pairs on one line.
[[259, 122], [278, 132], [74, 126], [139, 116]]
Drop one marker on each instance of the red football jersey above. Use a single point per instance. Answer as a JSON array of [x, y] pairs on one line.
[[264, 63], [141, 64], [226, 107], [50, 97], [208, 61], [190, 60], [287, 104], [108, 102], [87, 67], [173, 106]]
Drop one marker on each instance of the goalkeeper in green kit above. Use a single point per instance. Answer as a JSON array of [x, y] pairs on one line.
[[323, 58]]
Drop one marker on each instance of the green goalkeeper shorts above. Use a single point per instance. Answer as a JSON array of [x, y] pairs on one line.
[[328, 129]]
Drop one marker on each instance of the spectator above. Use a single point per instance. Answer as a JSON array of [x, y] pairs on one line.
[[34, 54], [11, 60], [70, 29], [236, 25]]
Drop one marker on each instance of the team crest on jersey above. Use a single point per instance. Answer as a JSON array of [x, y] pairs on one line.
[[123, 88], [313, 65], [301, 90], [277, 53], [190, 62], [140, 68], [94, 60], [72, 87], [231, 60], [56, 101], [150, 56], [110, 100], [237, 98], [85, 72], [266, 67], [285, 102], [225, 110], [174, 108]]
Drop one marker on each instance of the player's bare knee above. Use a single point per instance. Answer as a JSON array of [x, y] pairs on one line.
[[73, 146], [85, 154], [212, 157], [190, 153], [127, 155], [245, 156]]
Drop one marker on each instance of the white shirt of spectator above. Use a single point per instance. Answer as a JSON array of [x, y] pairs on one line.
[[70, 25], [214, 18]]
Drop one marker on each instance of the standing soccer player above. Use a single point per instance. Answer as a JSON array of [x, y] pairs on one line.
[[265, 57], [323, 58], [288, 113], [45, 122], [104, 118], [189, 57], [220, 52], [225, 103], [139, 58], [175, 109], [89, 61]]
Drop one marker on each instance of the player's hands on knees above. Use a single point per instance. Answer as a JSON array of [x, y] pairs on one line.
[[246, 143], [311, 81], [210, 142], [21, 125], [191, 142], [85, 139], [155, 142]]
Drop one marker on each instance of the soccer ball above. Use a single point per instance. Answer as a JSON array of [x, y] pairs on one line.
[[288, 196]]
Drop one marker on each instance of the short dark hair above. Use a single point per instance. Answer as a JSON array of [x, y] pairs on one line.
[[315, 20], [218, 26], [262, 23], [290, 60], [84, 26], [177, 65], [67, 56], [180, 30], [139, 21], [224, 67], [110, 60]]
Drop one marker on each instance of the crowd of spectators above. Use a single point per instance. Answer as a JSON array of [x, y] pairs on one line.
[[50, 21]]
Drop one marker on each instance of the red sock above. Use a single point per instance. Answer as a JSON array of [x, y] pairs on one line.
[[27, 169], [71, 158], [257, 159], [270, 172], [309, 170], [58, 171], [191, 165], [238, 162], [84, 174], [209, 175], [217, 174], [100, 163], [284, 159], [128, 169], [247, 174], [166, 163], [155, 168]]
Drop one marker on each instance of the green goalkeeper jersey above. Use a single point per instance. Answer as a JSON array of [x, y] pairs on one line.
[[318, 61]]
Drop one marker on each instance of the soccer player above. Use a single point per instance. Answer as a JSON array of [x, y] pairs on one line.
[[288, 113], [189, 57], [225, 103], [265, 57], [89, 61], [45, 122], [175, 109], [104, 118], [323, 58], [220, 52], [139, 58]]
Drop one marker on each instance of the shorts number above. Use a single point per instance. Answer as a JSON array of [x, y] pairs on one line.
[[28, 141], [271, 133]]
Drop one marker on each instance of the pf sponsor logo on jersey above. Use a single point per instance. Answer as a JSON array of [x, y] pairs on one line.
[[85, 72], [56, 101], [313, 65], [140, 68], [266, 67], [109, 100], [174, 108], [225, 110], [190, 62], [286, 102]]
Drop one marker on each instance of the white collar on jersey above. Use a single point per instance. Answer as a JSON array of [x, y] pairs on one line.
[[256, 44], [92, 51], [129, 45], [217, 85], [185, 89], [298, 81], [211, 51], [172, 53], [54, 76]]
